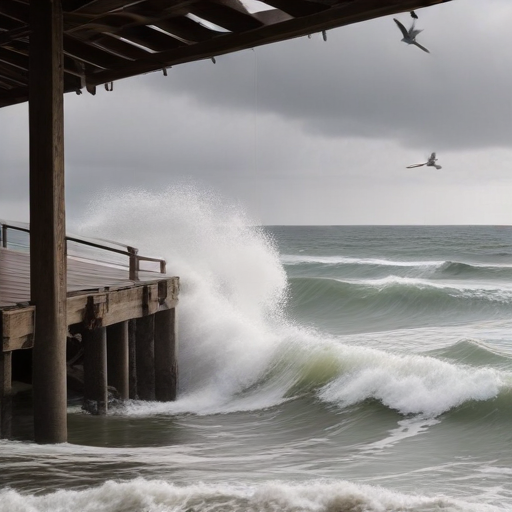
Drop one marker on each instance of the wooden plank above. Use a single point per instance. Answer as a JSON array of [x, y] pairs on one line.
[[47, 221], [97, 308], [18, 328]]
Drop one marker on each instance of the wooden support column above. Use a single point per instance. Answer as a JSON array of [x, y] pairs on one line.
[[5, 394], [47, 221], [95, 370], [166, 367], [145, 357], [117, 358], [132, 353]]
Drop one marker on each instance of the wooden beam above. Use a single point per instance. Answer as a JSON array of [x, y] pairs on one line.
[[47, 220], [95, 308]]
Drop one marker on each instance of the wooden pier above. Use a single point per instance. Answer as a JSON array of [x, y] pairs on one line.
[[50, 47], [111, 308]]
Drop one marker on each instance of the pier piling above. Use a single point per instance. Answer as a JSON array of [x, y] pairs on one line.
[[118, 358], [145, 357], [166, 368], [5, 394], [47, 220], [95, 370]]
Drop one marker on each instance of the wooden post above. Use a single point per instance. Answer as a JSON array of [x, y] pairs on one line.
[[166, 367], [47, 221], [5, 394], [117, 358], [145, 357], [95, 370], [132, 363]]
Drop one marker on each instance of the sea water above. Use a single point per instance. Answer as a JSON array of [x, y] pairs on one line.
[[322, 369]]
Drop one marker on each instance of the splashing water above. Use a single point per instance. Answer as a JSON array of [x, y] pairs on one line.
[[238, 351]]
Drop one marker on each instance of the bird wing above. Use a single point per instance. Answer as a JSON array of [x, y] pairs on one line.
[[414, 15], [402, 28], [414, 165], [419, 46], [438, 166], [433, 156]]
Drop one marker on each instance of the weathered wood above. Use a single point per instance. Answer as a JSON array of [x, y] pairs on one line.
[[132, 359], [5, 395], [95, 370], [105, 308], [18, 328], [166, 366], [117, 358], [145, 357], [47, 220]]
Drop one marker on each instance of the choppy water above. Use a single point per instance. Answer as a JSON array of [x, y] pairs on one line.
[[322, 369]]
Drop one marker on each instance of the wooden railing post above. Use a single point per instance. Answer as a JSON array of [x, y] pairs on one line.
[[4, 235], [134, 264]]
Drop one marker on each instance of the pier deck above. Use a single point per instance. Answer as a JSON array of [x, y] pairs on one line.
[[98, 295]]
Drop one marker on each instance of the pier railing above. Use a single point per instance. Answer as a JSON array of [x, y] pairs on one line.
[[134, 258]]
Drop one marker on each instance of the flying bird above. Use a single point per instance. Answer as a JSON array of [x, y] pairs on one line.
[[431, 162], [410, 35]]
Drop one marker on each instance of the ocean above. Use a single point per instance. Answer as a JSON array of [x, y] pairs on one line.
[[322, 369]]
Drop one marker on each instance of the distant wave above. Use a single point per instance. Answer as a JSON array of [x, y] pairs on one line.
[[277, 496], [434, 269], [292, 259]]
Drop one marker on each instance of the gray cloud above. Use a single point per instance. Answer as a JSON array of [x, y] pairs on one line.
[[307, 131]]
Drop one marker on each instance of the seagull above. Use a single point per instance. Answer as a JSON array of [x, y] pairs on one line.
[[410, 35], [431, 162]]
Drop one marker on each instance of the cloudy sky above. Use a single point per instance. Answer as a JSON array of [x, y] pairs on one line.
[[307, 131]]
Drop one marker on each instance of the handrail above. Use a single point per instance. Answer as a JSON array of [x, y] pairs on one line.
[[131, 252]]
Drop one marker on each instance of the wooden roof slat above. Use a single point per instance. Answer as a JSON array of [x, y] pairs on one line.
[[226, 17], [14, 10], [91, 54], [186, 29], [115, 45], [14, 75], [150, 38], [14, 59], [8, 23], [95, 6], [298, 8]]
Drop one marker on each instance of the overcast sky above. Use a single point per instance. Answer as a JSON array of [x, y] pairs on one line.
[[307, 131]]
